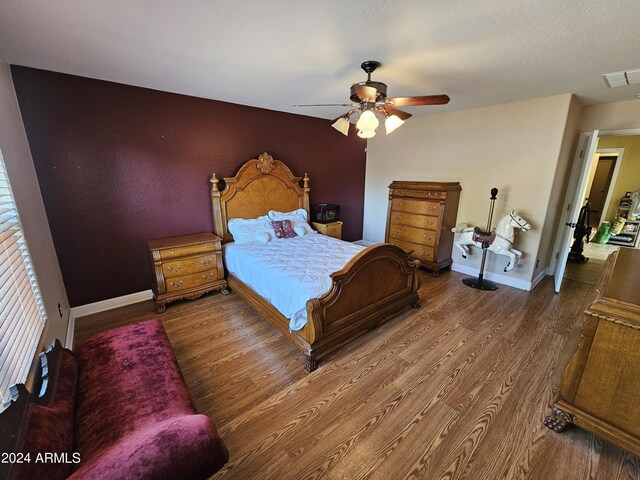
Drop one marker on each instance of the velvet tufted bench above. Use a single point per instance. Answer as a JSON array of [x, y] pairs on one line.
[[117, 407]]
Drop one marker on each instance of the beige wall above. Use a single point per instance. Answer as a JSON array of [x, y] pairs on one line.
[[22, 175], [514, 147], [558, 189], [611, 116], [628, 179]]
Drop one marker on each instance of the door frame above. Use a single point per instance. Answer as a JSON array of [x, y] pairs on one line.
[[576, 181], [610, 152]]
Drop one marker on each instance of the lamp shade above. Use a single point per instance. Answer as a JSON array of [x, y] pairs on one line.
[[367, 121], [342, 125], [366, 133], [391, 123]]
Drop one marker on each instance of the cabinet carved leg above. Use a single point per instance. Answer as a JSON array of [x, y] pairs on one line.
[[312, 361], [415, 304], [558, 420], [225, 291], [161, 307], [435, 273]]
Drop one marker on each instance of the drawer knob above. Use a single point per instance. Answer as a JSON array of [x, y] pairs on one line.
[[174, 269], [206, 261], [207, 276], [176, 284], [428, 237], [396, 217]]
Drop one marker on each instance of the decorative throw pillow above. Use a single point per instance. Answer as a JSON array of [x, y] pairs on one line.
[[283, 229], [298, 218]]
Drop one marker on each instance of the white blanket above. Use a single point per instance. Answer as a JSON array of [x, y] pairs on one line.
[[289, 271]]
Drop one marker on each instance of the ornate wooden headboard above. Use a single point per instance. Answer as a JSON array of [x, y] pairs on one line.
[[260, 185]]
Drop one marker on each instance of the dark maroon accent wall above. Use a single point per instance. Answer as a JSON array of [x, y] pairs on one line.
[[118, 165]]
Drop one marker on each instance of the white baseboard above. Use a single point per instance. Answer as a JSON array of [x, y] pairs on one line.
[[71, 325], [364, 243], [110, 303], [497, 277], [538, 278]]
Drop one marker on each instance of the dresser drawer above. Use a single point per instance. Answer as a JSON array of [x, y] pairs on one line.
[[185, 282], [411, 234], [189, 265], [187, 250], [414, 206], [396, 192], [414, 220], [419, 251]]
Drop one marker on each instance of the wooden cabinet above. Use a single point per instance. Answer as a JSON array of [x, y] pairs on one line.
[[420, 218], [600, 388], [186, 266], [333, 229]]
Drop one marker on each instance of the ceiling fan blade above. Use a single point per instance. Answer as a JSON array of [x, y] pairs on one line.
[[417, 101], [397, 112], [365, 93], [327, 105]]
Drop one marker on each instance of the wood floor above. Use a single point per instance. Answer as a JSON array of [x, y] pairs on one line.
[[457, 389]]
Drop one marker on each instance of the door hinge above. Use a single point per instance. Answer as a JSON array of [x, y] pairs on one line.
[[581, 153], [557, 255]]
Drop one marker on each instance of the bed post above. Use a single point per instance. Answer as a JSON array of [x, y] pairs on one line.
[[305, 197], [218, 228]]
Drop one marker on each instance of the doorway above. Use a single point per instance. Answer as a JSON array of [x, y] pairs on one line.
[[613, 144], [600, 188]]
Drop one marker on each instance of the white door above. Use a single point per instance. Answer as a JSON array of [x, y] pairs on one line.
[[573, 201]]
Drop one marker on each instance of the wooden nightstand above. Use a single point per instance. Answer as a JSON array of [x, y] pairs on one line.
[[333, 229], [186, 267]]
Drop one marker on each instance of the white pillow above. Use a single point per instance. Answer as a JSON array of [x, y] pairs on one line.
[[298, 219], [262, 237], [244, 230]]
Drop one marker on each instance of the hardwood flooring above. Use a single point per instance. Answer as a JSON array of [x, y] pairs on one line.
[[457, 389], [589, 272]]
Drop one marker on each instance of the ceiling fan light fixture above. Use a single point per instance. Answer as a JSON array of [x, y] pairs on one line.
[[366, 133], [392, 122], [367, 122], [342, 125]]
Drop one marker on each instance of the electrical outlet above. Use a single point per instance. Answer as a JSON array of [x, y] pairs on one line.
[[60, 309]]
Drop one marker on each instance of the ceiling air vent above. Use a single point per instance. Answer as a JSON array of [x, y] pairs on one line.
[[616, 79], [622, 79], [633, 76]]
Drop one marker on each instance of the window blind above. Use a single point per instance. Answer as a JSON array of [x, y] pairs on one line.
[[22, 314]]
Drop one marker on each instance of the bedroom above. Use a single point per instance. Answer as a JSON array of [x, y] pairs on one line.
[[99, 175]]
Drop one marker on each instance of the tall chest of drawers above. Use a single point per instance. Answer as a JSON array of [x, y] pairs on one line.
[[420, 218], [186, 267]]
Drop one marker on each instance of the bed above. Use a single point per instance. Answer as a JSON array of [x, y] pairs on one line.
[[375, 284]]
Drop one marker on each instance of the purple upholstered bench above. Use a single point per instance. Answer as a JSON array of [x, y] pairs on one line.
[[118, 407]]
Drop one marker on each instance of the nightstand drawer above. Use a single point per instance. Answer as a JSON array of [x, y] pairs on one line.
[[410, 234], [186, 282], [333, 229], [189, 265], [186, 250], [186, 266]]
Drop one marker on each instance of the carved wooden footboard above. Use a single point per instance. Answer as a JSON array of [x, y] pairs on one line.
[[376, 284]]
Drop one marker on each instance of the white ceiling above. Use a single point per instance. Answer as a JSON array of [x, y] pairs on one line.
[[276, 53]]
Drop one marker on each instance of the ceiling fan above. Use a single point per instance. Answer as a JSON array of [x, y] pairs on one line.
[[370, 97]]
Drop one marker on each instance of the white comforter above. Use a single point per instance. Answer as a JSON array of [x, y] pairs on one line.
[[289, 271]]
